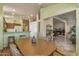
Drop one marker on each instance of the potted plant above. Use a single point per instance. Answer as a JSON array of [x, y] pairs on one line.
[[73, 34]]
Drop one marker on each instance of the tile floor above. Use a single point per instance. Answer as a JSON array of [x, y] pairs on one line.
[[65, 45]]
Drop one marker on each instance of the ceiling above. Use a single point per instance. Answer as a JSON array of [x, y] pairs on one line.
[[24, 8], [68, 15], [56, 21]]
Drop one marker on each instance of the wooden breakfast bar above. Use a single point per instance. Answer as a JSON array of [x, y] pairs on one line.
[[40, 48]]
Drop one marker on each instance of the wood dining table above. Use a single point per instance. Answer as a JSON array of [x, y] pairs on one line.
[[40, 48]]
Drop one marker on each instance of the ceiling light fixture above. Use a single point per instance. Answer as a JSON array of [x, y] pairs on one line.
[[13, 13], [14, 10]]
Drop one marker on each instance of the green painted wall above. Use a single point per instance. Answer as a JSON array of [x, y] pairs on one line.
[[57, 9], [77, 31], [1, 26]]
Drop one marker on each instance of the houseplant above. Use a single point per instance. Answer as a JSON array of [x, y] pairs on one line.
[[73, 34]]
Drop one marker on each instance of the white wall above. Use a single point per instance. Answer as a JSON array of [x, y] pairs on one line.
[[46, 22], [33, 29], [77, 32], [58, 25], [70, 22]]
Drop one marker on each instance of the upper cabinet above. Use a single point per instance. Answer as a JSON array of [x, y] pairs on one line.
[[16, 25]]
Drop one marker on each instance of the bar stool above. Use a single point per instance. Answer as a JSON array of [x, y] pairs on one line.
[[13, 47], [14, 50], [11, 39]]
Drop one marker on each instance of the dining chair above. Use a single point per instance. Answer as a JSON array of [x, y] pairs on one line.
[[13, 47], [11, 39], [14, 50], [61, 53]]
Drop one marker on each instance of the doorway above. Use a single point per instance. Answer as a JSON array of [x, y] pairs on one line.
[[64, 29]]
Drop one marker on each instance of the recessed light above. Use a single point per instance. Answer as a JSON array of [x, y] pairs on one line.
[[14, 10], [31, 15], [40, 3]]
